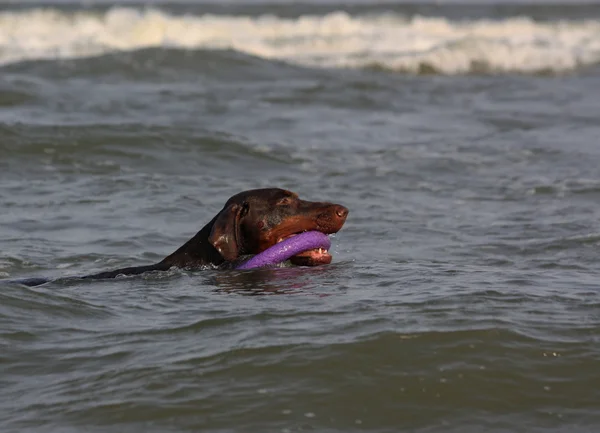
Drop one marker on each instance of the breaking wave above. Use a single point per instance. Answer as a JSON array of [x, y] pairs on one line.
[[336, 40]]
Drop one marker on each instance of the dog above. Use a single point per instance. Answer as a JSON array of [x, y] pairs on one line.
[[249, 223]]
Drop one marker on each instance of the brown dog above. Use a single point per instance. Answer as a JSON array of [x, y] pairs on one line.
[[249, 223]]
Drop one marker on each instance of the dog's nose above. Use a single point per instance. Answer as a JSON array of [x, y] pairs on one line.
[[341, 211]]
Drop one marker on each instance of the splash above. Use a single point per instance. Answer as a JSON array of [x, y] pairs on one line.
[[336, 40]]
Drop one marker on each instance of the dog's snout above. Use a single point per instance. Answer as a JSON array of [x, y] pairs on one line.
[[341, 211]]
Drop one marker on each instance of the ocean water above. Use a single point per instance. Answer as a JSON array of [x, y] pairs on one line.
[[464, 290]]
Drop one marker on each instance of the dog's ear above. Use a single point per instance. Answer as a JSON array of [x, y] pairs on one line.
[[224, 235]]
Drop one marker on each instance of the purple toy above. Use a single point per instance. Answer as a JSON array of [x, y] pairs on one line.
[[287, 248]]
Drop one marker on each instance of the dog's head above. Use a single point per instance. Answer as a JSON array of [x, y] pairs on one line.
[[254, 220]]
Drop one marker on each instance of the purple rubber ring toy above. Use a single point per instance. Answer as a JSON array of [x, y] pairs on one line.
[[287, 248]]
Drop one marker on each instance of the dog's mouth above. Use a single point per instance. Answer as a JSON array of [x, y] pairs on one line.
[[313, 257]]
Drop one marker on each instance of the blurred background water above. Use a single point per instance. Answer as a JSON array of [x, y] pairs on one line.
[[463, 294]]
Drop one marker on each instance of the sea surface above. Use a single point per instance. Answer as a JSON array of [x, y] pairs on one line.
[[464, 292]]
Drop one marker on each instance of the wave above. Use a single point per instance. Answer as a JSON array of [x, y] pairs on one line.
[[336, 40]]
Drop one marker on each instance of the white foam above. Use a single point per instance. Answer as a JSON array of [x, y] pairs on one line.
[[335, 40]]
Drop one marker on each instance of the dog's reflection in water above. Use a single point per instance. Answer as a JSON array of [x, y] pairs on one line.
[[272, 281]]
